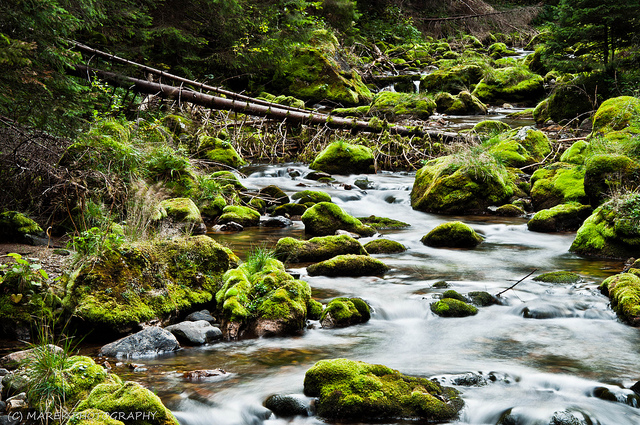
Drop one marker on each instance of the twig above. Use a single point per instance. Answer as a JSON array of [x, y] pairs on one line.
[[514, 285]]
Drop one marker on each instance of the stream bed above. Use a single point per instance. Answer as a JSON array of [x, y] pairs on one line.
[[532, 367]]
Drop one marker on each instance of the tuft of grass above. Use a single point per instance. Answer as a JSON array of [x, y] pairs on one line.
[[258, 258], [141, 203], [476, 161]]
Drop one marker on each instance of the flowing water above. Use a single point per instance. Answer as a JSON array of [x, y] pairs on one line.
[[533, 367]]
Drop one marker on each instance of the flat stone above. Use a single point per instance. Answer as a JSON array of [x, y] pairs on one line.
[[198, 332], [278, 221], [149, 342]]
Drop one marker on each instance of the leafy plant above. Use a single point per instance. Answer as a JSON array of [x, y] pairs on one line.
[[95, 242], [22, 276], [166, 163], [258, 258]]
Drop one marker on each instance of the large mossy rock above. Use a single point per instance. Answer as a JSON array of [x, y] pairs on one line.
[[392, 106], [451, 80], [558, 277], [220, 152], [15, 226], [227, 178], [314, 74], [144, 282], [557, 184], [449, 186], [177, 216], [123, 400], [563, 217], [352, 390], [490, 128], [454, 234], [576, 154], [324, 218], [311, 196], [511, 84], [349, 265], [384, 246], [383, 223], [260, 298], [245, 216], [624, 291], [451, 307], [520, 147], [345, 158], [606, 172], [618, 114], [342, 312], [612, 231], [464, 103], [316, 249]]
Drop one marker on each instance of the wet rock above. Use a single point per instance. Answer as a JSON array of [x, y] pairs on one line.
[[349, 389], [14, 359], [325, 218], [384, 246], [364, 184], [205, 374], [509, 210], [483, 298], [199, 332], [349, 265], [317, 175], [9, 420], [440, 284], [618, 395], [278, 221], [557, 184], [311, 196], [201, 315], [273, 195], [317, 249], [178, 216], [541, 310], [450, 307], [293, 211], [383, 223], [288, 405], [244, 216], [231, 226], [563, 217], [392, 106], [342, 312], [340, 158], [565, 417], [469, 379], [558, 277], [454, 234], [148, 342]]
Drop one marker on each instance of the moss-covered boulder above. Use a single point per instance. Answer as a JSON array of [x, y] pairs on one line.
[[454, 234], [392, 106], [227, 178], [352, 390], [311, 196], [273, 195], [314, 74], [220, 152], [618, 114], [558, 277], [452, 79], [500, 50], [624, 291], [342, 312], [245, 216], [15, 226], [177, 216], [573, 95], [563, 217], [289, 210], [73, 381], [607, 172], [490, 128], [349, 265], [93, 417], [316, 249], [451, 307], [520, 147], [260, 298], [324, 218], [345, 158], [509, 210], [145, 281], [384, 246], [464, 103], [541, 112], [612, 231], [557, 184], [314, 310], [511, 84], [127, 402], [383, 223], [576, 154], [459, 185]]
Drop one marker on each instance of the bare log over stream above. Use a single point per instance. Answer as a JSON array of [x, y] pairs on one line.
[[252, 108]]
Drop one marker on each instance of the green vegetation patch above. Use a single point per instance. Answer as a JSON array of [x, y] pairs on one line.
[[383, 223], [624, 291], [349, 265], [558, 183], [454, 234], [324, 218], [244, 216], [563, 217], [451, 307], [344, 158], [348, 389], [342, 312], [558, 277], [15, 225], [317, 249], [391, 105], [384, 246]]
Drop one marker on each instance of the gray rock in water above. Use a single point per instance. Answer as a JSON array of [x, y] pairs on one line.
[[231, 226], [146, 343], [278, 221], [565, 417], [199, 332], [288, 405], [201, 315]]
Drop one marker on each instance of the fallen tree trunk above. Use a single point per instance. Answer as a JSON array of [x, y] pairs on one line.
[[252, 108]]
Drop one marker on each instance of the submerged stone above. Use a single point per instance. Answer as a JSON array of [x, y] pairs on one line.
[[558, 277], [352, 390]]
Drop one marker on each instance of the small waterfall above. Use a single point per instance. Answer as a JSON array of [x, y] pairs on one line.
[[416, 84]]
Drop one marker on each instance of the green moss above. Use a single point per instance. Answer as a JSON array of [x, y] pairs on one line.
[[342, 312], [490, 128], [324, 218], [129, 397], [384, 246], [146, 281], [624, 291], [618, 113], [348, 265], [451, 307], [313, 196], [454, 295], [179, 210], [314, 310], [348, 389], [317, 249], [340, 157], [451, 79], [290, 210], [454, 234], [383, 223], [500, 50], [541, 112], [557, 184], [576, 154], [227, 178], [509, 210], [511, 84], [558, 277], [391, 105], [520, 147], [563, 217], [607, 172], [244, 216], [93, 417], [14, 226]]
